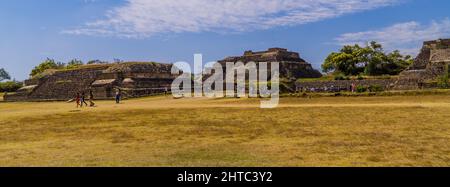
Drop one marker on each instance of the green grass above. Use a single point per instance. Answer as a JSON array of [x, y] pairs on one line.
[[159, 131]]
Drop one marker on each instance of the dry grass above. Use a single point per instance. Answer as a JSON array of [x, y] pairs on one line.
[[360, 131]]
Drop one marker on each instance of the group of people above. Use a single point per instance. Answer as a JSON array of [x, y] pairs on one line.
[[80, 98]]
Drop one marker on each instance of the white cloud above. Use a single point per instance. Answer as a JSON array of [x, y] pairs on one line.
[[143, 18], [407, 37]]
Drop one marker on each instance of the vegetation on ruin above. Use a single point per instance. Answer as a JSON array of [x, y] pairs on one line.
[[96, 62], [49, 66], [159, 131], [370, 60], [75, 63]]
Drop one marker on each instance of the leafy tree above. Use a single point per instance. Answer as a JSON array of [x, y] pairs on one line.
[[370, 60], [47, 64], [74, 64], [4, 75]]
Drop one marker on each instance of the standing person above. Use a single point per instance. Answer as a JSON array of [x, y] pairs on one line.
[[77, 99], [91, 98], [83, 99], [118, 96], [353, 87]]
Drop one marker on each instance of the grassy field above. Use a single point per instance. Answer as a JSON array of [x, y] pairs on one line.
[[159, 131]]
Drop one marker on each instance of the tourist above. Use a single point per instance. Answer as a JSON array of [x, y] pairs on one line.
[[118, 96], [83, 99], [91, 98], [77, 99]]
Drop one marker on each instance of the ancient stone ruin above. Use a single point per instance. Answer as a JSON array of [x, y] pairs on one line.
[[134, 79], [291, 65], [432, 62], [137, 79]]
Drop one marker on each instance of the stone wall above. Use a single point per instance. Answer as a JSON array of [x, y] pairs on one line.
[[421, 61], [132, 79], [342, 85], [432, 62], [64, 85]]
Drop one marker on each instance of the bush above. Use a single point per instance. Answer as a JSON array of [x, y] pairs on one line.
[[47, 64], [340, 76], [10, 86], [443, 82], [376, 88], [360, 77], [361, 89]]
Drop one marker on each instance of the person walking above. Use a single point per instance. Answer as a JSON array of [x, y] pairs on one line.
[[91, 98], [353, 87], [118, 95], [83, 99], [77, 99]]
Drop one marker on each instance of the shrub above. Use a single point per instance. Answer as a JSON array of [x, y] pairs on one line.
[[376, 88], [443, 82], [10, 86], [361, 89], [340, 76], [360, 77]]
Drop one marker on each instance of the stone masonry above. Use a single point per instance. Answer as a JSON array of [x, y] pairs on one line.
[[432, 62], [133, 79], [291, 65]]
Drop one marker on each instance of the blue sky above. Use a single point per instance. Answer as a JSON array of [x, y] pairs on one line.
[[170, 31]]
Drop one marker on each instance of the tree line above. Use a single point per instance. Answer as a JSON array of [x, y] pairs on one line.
[[52, 64], [9, 86]]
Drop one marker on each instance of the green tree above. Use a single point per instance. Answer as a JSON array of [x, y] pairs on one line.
[[4, 75], [370, 60], [74, 64], [349, 61], [47, 64]]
